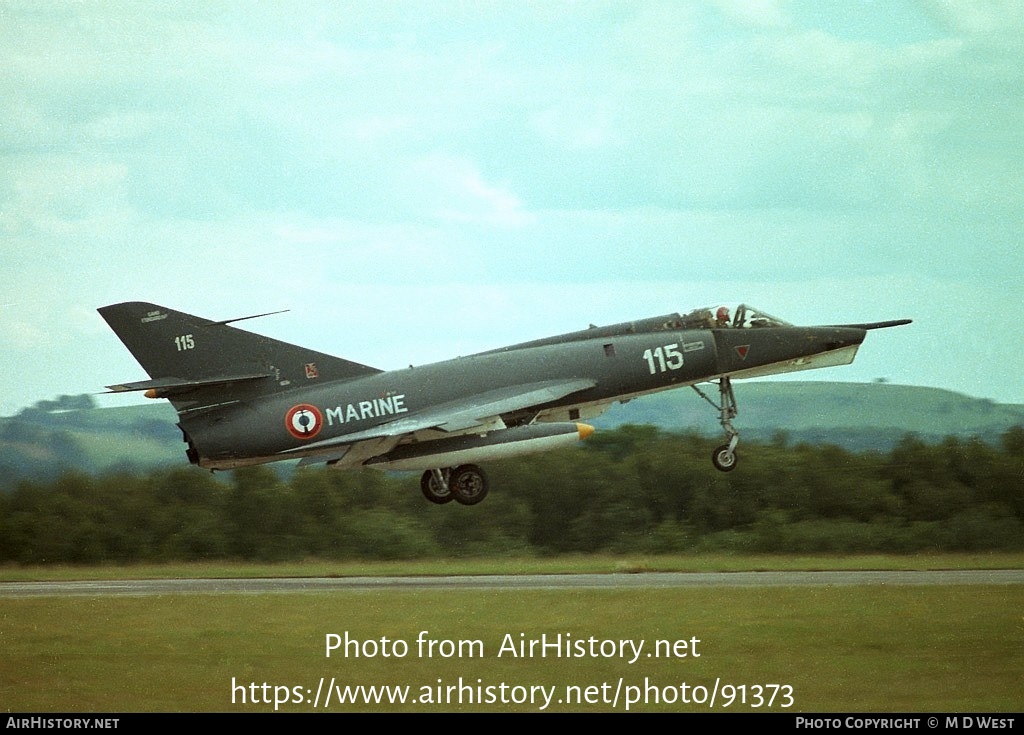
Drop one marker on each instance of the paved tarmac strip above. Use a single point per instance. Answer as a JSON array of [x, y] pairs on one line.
[[137, 587]]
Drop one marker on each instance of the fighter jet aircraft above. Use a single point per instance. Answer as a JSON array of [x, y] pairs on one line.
[[245, 399]]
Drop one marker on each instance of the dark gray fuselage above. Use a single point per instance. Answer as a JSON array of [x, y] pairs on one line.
[[619, 362]]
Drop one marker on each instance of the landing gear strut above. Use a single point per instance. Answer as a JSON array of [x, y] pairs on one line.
[[466, 485], [434, 484], [724, 457]]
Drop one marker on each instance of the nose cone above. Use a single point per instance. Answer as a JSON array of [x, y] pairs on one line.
[[834, 338], [756, 352]]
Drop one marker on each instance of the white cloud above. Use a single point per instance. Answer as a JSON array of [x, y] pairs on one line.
[[993, 23], [453, 190], [756, 13]]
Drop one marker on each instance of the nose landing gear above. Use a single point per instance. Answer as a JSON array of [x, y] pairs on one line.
[[724, 457]]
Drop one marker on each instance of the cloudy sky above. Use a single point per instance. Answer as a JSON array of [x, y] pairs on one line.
[[418, 180]]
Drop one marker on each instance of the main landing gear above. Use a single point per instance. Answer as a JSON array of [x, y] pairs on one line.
[[724, 457], [466, 484]]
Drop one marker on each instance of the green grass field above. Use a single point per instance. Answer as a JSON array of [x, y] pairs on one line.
[[588, 564], [861, 649]]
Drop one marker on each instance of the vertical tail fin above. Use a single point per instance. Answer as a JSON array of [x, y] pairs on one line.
[[193, 360]]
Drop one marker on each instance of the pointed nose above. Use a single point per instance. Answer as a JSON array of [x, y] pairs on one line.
[[758, 352], [835, 338]]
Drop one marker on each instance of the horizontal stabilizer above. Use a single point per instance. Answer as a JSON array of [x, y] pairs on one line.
[[169, 386]]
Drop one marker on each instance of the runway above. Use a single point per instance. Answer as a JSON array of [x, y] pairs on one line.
[[681, 580]]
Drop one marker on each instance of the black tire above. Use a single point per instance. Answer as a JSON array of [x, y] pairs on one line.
[[723, 459], [468, 484], [432, 491]]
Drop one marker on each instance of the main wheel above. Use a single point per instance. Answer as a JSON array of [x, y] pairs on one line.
[[724, 459], [434, 492], [468, 484]]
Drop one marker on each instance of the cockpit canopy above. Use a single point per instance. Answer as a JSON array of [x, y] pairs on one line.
[[722, 317]]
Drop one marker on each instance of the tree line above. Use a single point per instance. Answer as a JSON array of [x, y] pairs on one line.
[[635, 489]]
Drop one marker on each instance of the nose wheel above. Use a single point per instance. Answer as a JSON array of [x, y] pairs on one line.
[[724, 457]]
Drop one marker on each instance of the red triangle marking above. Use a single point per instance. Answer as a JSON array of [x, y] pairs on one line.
[[742, 351]]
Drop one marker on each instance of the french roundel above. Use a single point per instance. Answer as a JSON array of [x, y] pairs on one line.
[[303, 421]]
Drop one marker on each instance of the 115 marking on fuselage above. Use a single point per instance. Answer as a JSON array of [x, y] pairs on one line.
[[663, 359]]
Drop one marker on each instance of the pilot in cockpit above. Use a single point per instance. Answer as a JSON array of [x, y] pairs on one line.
[[722, 317]]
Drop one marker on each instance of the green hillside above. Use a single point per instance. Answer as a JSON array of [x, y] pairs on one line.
[[40, 444], [853, 415]]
